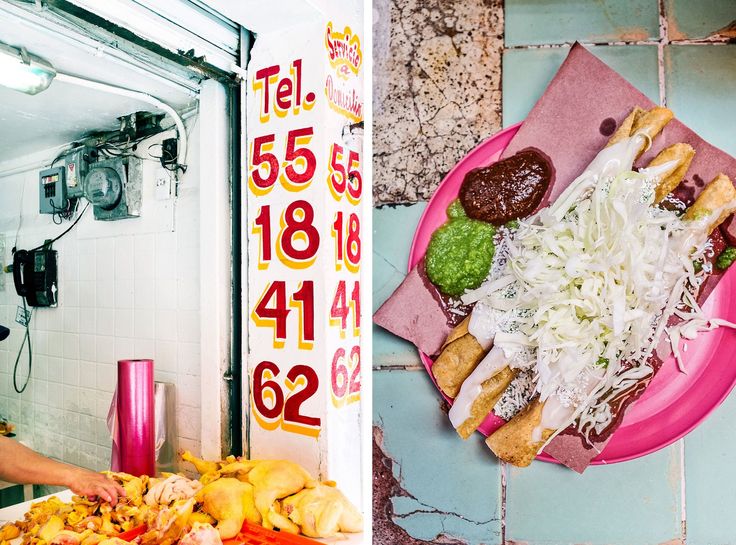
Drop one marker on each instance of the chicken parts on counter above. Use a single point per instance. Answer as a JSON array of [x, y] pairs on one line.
[[175, 510], [201, 534], [322, 511], [284, 494], [83, 521], [231, 503]]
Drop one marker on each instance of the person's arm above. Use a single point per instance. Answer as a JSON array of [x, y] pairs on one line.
[[19, 464]]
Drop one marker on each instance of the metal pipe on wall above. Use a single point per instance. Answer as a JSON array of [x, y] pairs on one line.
[[137, 95]]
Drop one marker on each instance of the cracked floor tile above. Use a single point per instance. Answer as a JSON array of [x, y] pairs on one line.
[[437, 90], [429, 485]]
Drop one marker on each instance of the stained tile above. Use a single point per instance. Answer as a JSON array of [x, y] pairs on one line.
[[534, 22], [709, 475], [437, 90], [700, 89], [632, 503], [445, 491], [393, 230], [527, 72], [688, 19]]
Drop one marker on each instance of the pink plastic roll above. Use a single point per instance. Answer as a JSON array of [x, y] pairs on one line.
[[133, 446]]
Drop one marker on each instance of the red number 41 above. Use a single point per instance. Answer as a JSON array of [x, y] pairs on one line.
[[272, 311], [342, 306]]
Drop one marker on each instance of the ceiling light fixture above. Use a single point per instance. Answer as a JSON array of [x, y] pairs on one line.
[[23, 71]]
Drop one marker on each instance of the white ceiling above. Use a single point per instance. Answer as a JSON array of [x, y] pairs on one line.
[[65, 112], [260, 17], [61, 114]]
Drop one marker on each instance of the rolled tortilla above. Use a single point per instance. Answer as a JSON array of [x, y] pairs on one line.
[[460, 354], [651, 123], [676, 160], [458, 331], [718, 198], [624, 130], [515, 442], [491, 391]]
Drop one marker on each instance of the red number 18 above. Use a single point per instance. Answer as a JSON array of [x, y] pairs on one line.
[[297, 241], [347, 241]]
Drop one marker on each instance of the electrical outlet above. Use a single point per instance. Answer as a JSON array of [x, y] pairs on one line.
[[22, 316], [163, 184]]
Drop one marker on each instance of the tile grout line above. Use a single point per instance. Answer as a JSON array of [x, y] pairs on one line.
[[400, 367], [663, 40], [683, 497], [685, 41], [503, 502], [500, 84]]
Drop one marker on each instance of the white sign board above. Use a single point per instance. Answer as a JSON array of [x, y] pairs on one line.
[[304, 241]]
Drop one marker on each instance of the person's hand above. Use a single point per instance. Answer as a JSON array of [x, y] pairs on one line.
[[94, 485]]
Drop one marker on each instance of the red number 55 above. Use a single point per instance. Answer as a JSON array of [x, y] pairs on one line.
[[342, 179], [299, 162]]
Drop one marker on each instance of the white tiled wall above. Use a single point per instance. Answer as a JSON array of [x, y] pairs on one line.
[[127, 289]]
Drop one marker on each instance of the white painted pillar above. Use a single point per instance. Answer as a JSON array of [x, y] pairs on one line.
[[214, 266]]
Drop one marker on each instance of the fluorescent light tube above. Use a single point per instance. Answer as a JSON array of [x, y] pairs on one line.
[[24, 72]]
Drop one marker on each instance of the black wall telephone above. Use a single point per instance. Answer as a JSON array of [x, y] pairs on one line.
[[35, 276]]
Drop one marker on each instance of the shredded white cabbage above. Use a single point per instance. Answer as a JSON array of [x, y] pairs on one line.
[[590, 283]]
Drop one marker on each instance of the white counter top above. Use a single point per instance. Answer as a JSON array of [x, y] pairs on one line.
[[16, 512]]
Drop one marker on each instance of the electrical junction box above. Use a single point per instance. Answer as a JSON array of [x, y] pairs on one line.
[[77, 164], [113, 187], [52, 196]]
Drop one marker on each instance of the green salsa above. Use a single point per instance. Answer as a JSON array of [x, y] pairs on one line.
[[727, 257], [456, 210], [460, 253]]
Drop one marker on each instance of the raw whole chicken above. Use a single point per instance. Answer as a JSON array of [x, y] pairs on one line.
[[231, 502], [201, 534], [173, 488]]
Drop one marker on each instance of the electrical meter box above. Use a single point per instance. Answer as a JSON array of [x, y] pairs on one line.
[[77, 164], [52, 191], [113, 187]]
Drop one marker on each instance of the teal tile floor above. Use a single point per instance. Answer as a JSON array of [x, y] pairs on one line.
[[426, 509], [445, 491], [636, 503], [710, 473], [701, 89], [541, 22], [688, 19], [394, 226], [526, 73]]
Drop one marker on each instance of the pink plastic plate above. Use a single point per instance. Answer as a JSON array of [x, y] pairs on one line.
[[674, 403]]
